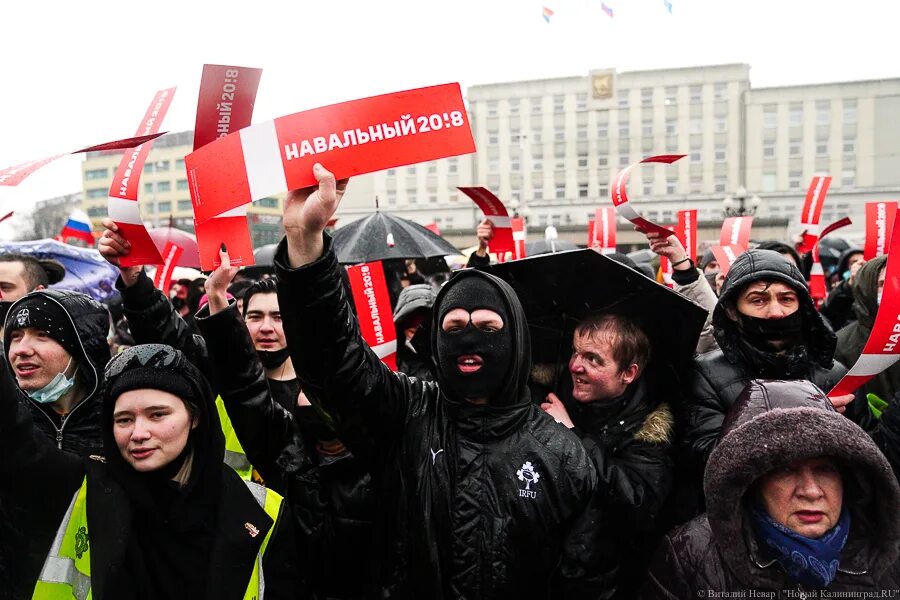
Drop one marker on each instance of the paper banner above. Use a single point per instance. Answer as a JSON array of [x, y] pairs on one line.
[[817, 275], [882, 349], [879, 225], [686, 231], [602, 230], [6, 216], [726, 255], [170, 255], [225, 105], [493, 209], [123, 191], [619, 194], [13, 176], [736, 232], [373, 309], [349, 139], [812, 209], [518, 233]]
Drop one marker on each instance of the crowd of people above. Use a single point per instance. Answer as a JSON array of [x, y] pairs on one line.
[[243, 441]]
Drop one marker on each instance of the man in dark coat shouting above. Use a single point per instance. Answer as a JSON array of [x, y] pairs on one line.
[[482, 494]]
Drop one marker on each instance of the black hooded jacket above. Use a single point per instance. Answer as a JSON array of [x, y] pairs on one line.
[[775, 423], [718, 377], [490, 501], [141, 540], [79, 433]]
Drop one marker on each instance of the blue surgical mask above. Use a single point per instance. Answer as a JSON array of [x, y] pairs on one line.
[[55, 389]]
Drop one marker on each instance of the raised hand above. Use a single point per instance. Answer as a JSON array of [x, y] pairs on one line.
[[113, 246], [218, 282], [307, 212]]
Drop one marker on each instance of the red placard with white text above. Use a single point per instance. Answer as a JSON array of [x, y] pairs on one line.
[[602, 230], [493, 209], [879, 225], [170, 255], [726, 255], [13, 176], [816, 275], [619, 194], [351, 138], [812, 209], [882, 349], [686, 231], [518, 233], [225, 105], [736, 232], [123, 191], [373, 309]]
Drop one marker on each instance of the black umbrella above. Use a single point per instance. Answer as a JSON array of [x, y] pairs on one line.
[[265, 255], [382, 236], [548, 247], [558, 290]]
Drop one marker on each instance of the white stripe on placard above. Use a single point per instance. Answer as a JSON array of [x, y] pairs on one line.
[[499, 221], [240, 211], [519, 235], [627, 211], [812, 228], [122, 210], [873, 364], [385, 349], [816, 269], [262, 157]]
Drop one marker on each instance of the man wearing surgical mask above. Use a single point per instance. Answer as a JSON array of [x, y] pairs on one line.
[[868, 285], [56, 349]]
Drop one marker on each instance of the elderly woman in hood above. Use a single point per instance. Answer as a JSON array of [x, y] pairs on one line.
[[799, 500]]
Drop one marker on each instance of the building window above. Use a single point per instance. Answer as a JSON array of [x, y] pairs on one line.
[[670, 186], [164, 206], [696, 125], [582, 190], [719, 90], [96, 211], [411, 170], [720, 154], [647, 128], [648, 189], [559, 135], [184, 205], [581, 133], [580, 101], [582, 161], [848, 178], [179, 164], [849, 110], [148, 188], [513, 106], [795, 114], [720, 124], [623, 130], [493, 139], [97, 193], [849, 147], [671, 127], [603, 130], [452, 165], [411, 195], [602, 161], [560, 192], [770, 116], [822, 149], [794, 178], [719, 184], [695, 156], [646, 96], [163, 186], [769, 149], [622, 97], [603, 191], [558, 103], [536, 105], [181, 184], [538, 165], [492, 108], [794, 147], [162, 165], [671, 95], [96, 174], [514, 165], [696, 92], [493, 166], [267, 202], [538, 193], [823, 112]]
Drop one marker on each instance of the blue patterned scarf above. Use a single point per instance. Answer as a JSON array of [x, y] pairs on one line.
[[810, 563]]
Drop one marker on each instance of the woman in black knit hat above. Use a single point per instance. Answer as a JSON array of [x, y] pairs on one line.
[[159, 515]]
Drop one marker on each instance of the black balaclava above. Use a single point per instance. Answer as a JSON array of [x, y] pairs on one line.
[[762, 332], [494, 348], [272, 359]]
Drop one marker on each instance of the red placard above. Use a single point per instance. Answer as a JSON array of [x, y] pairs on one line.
[[726, 255], [686, 231], [879, 226], [817, 275], [619, 194], [736, 232], [493, 209], [373, 309], [163, 276], [6, 216], [349, 139], [882, 349], [812, 208], [433, 228], [602, 231], [123, 190], [225, 105], [518, 233]]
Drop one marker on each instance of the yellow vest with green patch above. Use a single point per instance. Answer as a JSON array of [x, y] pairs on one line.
[[234, 453], [67, 569]]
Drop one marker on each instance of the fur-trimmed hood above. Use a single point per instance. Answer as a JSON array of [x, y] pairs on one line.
[[777, 422]]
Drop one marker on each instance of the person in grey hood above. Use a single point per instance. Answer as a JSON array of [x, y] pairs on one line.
[[411, 317], [800, 504], [483, 495]]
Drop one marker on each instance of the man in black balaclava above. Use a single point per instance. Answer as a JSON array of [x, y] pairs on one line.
[[483, 494]]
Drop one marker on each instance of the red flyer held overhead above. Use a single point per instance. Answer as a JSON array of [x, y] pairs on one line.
[[686, 231], [619, 194], [817, 275], [882, 349], [726, 255], [736, 232], [880, 218], [493, 209], [123, 191], [225, 105], [373, 309], [349, 139], [602, 230], [170, 254], [812, 208]]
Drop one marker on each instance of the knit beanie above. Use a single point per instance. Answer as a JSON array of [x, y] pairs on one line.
[[38, 311]]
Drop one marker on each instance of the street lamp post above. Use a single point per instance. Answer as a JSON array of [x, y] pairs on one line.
[[740, 204]]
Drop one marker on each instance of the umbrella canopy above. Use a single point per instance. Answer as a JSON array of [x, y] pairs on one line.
[[558, 290], [548, 247], [190, 257], [265, 255], [381, 236], [86, 271]]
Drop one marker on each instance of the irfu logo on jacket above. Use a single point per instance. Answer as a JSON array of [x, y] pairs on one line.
[[529, 476]]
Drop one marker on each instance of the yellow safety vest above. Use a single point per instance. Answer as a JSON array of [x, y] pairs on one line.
[[67, 569], [234, 452]]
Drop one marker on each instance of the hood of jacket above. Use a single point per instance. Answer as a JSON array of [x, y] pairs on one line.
[[865, 291], [844, 261], [90, 320], [510, 406], [754, 265], [774, 423], [411, 299]]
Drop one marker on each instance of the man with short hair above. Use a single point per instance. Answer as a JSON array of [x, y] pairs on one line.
[[628, 433], [20, 274]]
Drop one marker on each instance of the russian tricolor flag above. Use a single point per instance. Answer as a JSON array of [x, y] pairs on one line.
[[78, 226], [547, 14], [608, 10]]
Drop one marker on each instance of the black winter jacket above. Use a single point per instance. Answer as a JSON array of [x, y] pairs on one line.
[[718, 377], [775, 423], [488, 501], [331, 497]]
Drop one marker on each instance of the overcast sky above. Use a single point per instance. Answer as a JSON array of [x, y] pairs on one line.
[[81, 73]]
